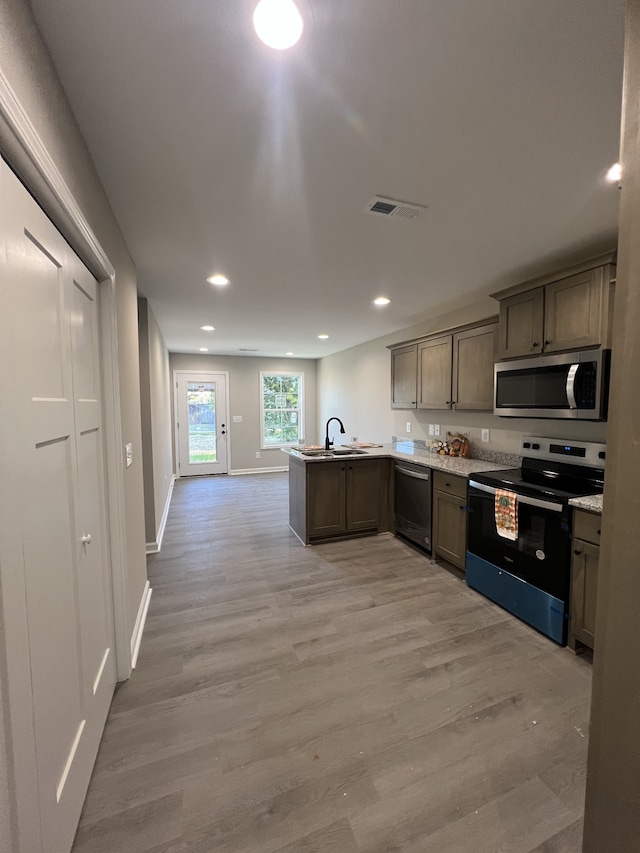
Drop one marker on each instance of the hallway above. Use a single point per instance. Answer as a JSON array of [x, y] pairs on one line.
[[346, 697]]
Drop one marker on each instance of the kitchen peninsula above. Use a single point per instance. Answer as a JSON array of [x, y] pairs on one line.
[[348, 492]]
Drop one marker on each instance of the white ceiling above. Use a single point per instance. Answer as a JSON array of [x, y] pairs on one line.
[[220, 154]]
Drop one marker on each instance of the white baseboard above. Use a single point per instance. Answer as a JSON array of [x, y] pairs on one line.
[[277, 470], [141, 618], [154, 547]]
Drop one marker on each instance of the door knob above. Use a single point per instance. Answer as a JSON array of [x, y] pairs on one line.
[[86, 540]]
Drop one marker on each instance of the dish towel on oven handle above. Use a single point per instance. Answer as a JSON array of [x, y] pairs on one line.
[[506, 512]]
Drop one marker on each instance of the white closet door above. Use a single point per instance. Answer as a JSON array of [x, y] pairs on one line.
[[60, 626]]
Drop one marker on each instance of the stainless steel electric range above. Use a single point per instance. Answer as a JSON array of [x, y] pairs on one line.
[[523, 563]]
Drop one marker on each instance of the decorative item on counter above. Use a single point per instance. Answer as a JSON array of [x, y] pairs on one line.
[[458, 445], [440, 447]]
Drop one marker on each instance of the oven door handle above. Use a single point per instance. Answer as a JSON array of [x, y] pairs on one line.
[[523, 499], [571, 386], [413, 474]]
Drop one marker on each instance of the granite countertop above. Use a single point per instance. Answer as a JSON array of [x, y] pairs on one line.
[[593, 503], [410, 453]]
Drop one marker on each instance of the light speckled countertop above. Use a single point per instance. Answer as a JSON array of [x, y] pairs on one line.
[[591, 502], [406, 451]]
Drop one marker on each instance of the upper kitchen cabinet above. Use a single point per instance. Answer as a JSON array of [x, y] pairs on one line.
[[453, 370], [474, 353], [566, 311], [404, 369], [434, 373]]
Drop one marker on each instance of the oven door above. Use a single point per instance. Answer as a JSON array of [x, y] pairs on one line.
[[541, 553]]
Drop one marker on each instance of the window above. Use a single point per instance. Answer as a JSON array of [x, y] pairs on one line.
[[281, 409]]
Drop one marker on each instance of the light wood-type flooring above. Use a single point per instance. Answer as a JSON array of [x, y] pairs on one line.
[[347, 697]]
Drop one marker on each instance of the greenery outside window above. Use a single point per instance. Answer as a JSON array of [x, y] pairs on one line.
[[281, 409]]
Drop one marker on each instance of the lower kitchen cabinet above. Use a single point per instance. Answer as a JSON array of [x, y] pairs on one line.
[[338, 499], [585, 559], [450, 518]]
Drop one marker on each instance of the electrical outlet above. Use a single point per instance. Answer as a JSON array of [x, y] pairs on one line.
[[408, 426], [436, 429], [257, 454], [431, 432], [485, 435]]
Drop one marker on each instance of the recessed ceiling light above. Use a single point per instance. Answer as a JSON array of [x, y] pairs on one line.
[[203, 349], [208, 328], [381, 300], [615, 173], [278, 23], [218, 279], [289, 353], [323, 337]]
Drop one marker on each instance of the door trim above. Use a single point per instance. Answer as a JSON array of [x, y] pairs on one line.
[[22, 147], [174, 379]]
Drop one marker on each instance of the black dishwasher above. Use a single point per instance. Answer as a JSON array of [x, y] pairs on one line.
[[412, 503]]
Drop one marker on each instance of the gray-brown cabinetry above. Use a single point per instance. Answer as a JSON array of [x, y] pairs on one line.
[[544, 315], [336, 499], [585, 558], [450, 517], [449, 371], [404, 371]]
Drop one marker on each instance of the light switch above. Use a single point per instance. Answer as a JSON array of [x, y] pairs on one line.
[[128, 455]]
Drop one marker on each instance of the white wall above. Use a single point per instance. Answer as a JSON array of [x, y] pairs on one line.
[[244, 400], [155, 404], [26, 67], [355, 384]]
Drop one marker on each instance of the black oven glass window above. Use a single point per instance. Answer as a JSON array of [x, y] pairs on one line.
[[544, 388]]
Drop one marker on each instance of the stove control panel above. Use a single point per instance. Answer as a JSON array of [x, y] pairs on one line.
[[576, 452]]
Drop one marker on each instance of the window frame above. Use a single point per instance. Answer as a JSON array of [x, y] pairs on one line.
[[299, 374]]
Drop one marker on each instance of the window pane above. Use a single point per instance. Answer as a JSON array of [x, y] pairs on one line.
[[202, 422], [281, 407]]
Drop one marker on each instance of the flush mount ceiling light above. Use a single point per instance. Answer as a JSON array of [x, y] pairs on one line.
[[288, 353], [323, 337], [278, 23], [208, 328], [203, 349], [381, 300], [218, 279], [615, 173]]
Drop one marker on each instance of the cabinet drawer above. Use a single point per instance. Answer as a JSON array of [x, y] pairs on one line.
[[586, 525], [450, 483]]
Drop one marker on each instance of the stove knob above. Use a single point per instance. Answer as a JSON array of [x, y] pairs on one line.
[[602, 454], [535, 447], [526, 444]]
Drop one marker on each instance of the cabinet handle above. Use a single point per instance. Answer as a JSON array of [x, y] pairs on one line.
[[577, 553], [535, 344], [598, 532], [546, 343]]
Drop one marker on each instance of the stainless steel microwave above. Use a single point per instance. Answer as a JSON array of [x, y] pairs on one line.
[[568, 385]]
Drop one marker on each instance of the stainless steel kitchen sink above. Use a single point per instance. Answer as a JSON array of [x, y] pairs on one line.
[[330, 453]]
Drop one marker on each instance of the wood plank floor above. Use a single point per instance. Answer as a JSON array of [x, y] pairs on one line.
[[347, 697]]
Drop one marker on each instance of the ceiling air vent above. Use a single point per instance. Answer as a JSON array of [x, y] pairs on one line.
[[246, 349], [392, 207]]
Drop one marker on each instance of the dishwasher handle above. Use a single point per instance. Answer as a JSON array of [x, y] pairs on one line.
[[407, 472]]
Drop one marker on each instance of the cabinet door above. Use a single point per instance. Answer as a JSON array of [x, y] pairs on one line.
[[521, 324], [573, 312], [404, 369], [326, 495], [364, 492], [584, 590], [449, 527], [474, 353], [434, 373]]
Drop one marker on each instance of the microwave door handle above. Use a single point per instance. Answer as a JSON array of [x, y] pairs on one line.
[[571, 386], [522, 499]]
